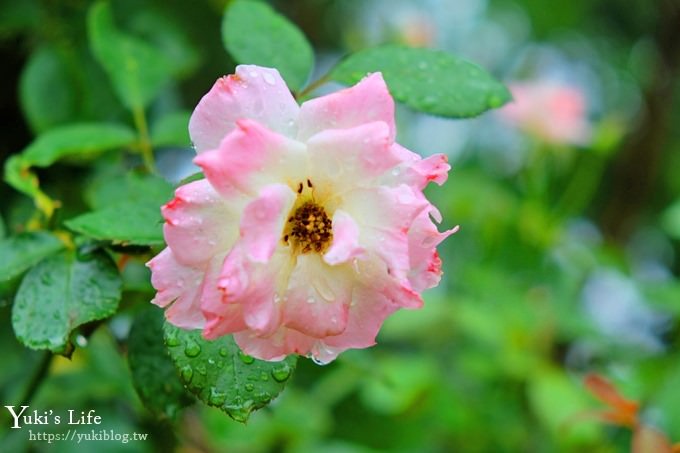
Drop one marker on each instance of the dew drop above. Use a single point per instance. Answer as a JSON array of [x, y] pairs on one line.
[[264, 376], [192, 349], [171, 340], [269, 78], [396, 171], [224, 352], [216, 397], [187, 373], [281, 373], [201, 370], [245, 358], [249, 387]]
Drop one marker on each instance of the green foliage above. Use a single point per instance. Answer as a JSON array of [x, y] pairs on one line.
[[153, 373], [61, 293], [220, 375], [137, 70], [253, 33], [23, 251], [46, 94], [125, 223], [428, 80], [171, 130]]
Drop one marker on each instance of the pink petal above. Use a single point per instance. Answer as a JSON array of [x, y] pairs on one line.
[[345, 245], [367, 101], [253, 92], [366, 316], [251, 285], [352, 157], [198, 223], [263, 221], [250, 157], [318, 297], [384, 215], [416, 171], [179, 285], [425, 262], [275, 347]]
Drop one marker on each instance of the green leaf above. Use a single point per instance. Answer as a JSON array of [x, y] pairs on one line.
[[670, 220], [428, 80], [128, 222], [112, 188], [219, 374], [153, 373], [46, 91], [81, 140], [19, 176], [137, 70], [254, 33], [61, 293], [23, 251], [171, 130]]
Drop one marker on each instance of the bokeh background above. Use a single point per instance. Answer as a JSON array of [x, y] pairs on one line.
[[567, 260]]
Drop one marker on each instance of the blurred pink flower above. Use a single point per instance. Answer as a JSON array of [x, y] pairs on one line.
[[551, 112], [311, 226]]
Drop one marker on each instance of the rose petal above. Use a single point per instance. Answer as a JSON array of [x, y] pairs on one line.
[[253, 92], [250, 157], [367, 101], [199, 223], [345, 245], [263, 221]]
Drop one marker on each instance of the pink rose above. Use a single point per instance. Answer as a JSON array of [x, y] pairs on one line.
[[311, 226], [551, 112]]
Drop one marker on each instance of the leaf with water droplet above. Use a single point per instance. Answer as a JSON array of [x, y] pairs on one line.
[[61, 293], [253, 33], [22, 251], [153, 372], [238, 387], [428, 80]]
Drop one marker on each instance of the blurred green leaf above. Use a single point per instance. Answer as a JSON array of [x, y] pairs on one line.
[[399, 382], [23, 251], [3, 228], [18, 175], [137, 70], [46, 92], [162, 31], [670, 220], [253, 33], [153, 373], [431, 81], [81, 140], [61, 293], [127, 222], [111, 188], [171, 130], [220, 375]]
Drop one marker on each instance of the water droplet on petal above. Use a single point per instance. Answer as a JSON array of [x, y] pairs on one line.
[[269, 78]]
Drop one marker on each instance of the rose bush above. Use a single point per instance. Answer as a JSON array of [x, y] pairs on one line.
[[310, 227]]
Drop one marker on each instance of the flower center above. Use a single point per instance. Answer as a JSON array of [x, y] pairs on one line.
[[309, 229]]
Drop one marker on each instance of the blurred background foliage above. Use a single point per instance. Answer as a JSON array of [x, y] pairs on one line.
[[567, 260]]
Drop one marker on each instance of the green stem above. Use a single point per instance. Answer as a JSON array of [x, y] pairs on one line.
[[144, 140], [313, 86], [39, 375]]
